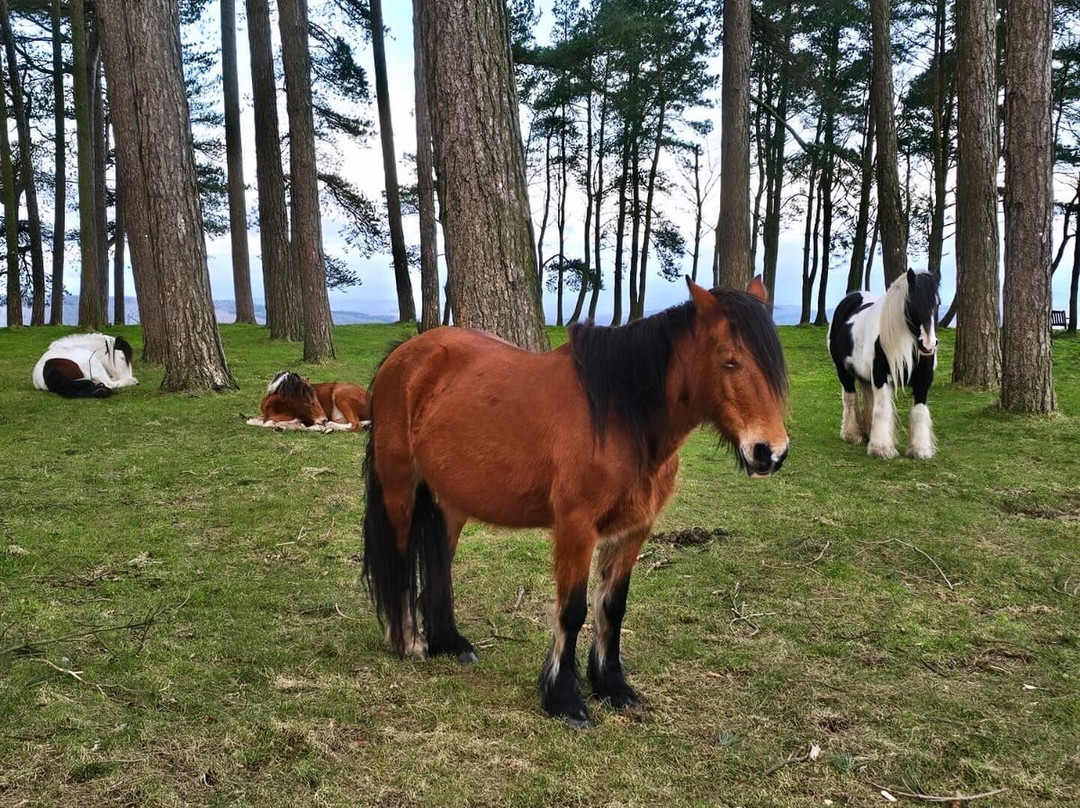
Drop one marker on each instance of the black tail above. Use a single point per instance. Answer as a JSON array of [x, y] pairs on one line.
[[57, 381], [397, 582]]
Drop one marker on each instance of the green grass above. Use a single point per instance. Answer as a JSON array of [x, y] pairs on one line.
[[260, 678]]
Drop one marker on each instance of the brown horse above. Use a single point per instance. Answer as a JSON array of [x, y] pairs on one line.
[[292, 402], [583, 440]]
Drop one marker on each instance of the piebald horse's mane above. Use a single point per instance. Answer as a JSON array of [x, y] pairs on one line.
[[290, 385], [625, 368]]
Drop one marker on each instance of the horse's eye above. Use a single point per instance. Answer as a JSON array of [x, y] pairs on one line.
[[731, 364]]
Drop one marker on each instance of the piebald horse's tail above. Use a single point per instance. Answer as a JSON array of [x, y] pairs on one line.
[[400, 578]]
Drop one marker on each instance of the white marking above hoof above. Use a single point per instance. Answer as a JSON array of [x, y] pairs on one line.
[[883, 451]]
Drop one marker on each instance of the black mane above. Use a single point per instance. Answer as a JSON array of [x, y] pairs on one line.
[[124, 347], [293, 385], [624, 369]]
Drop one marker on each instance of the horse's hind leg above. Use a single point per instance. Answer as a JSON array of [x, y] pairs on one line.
[[615, 561], [574, 544], [437, 597]]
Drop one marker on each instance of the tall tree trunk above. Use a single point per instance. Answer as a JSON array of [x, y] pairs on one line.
[[234, 154], [1027, 377], [406, 306], [1074, 286], [564, 176], [101, 200], [56, 301], [941, 129], [733, 230], [809, 234], [977, 361], [425, 189], [480, 165], [635, 225], [827, 177], [891, 217], [307, 249], [601, 147], [547, 207], [91, 315], [154, 147], [620, 235], [862, 219], [119, 304], [650, 196], [699, 211], [11, 216], [284, 307], [775, 170], [586, 275], [762, 122], [33, 217]]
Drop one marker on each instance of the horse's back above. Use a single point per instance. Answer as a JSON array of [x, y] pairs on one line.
[[853, 331]]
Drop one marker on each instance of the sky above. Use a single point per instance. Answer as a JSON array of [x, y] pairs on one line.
[[363, 165]]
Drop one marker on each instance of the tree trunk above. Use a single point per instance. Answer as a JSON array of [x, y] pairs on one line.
[[775, 170], [307, 250], [650, 195], [635, 225], [406, 306], [977, 361], [1074, 286], [827, 177], [22, 123], [425, 189], [891, 218], [480, 164], [862, 220], [1027, 379], [809, 234], [941, 128], [281, 286], [90, 314], [56, 301], [547, 207], [234, 154], [870, 256], [699, 206], [586, 276], [11, 216], [733, 230], [601, 146], [620, 235], [101, 202], [154, 148], [561, 217], [119, 304]]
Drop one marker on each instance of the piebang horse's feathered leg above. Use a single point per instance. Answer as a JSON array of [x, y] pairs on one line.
[[574, 544], [615, 561]]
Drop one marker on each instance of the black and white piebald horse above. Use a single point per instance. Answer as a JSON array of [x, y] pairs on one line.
[[884, 343], [85, 366]]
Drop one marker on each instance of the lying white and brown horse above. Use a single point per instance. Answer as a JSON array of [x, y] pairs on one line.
[[292, 402], [85, 366]]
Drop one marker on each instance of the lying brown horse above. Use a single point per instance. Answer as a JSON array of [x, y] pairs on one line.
[[292, 402], [583, 440]]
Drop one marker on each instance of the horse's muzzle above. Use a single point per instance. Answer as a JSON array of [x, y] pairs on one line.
[[764, 461]]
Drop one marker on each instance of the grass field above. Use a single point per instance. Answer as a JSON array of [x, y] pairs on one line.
[[917, 623]]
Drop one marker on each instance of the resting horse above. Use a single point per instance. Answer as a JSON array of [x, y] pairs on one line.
[[884, 343], [292, 402], [85, 366], [583, 440]]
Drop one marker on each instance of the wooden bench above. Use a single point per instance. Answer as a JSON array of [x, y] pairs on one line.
[[1057, 318]]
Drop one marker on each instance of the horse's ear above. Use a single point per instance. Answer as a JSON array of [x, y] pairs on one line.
[[911, 276], [703, 299], [758, 290]]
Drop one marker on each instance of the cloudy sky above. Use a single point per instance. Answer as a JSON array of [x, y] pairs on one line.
[[364, 167]]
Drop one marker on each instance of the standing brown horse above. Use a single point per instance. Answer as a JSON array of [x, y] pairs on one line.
[[583, 440]]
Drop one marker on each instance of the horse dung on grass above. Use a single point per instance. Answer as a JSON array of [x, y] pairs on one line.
[[85, 366], [884, 343], [292, 402], [583, 440]]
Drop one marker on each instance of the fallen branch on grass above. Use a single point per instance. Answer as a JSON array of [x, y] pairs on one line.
[[76, 675], [914, 795], [921, 552]]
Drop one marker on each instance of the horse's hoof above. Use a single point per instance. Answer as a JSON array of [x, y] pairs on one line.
[[467, 657], [882, 452], [578, 723]]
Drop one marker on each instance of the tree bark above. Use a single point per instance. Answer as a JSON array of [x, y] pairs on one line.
[[733, 230], [425, 189], [406, 306], [1027, 378], [650, 195], [284, 308], [119, 304], [91, 315], [601, 146], [891, 219], [586, 277], [620, 234], [56, 300], [234, 155], [862, 220], [977, 361], [1074, 287], [101, 202], [483, 195], [11, 216], [154, 148], [307, 250], [33, 217]]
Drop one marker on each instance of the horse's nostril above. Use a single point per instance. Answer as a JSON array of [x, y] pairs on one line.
[[762, 453]]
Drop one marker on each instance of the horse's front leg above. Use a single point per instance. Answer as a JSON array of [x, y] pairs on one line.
[[883, 428], [921, 441], [574, 544], [615, 561]]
